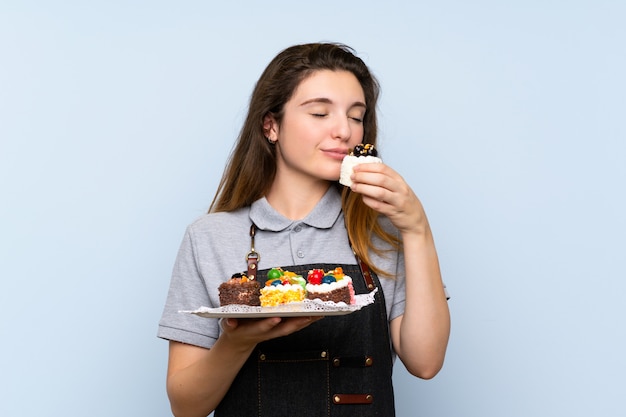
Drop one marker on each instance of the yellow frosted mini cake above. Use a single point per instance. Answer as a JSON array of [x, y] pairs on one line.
[[282, 287]]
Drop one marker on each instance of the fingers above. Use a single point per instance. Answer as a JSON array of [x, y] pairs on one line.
[[286, 326], [379, 185], [379, 182], [291, 325], [385, 191], [253, 331]]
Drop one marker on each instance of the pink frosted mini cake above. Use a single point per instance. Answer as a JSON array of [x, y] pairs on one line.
[[333, 285]]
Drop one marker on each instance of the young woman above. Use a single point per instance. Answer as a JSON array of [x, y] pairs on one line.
[[280, 192]]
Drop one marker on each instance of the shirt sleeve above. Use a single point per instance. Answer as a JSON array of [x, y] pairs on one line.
[[398, 300], [187, 291]]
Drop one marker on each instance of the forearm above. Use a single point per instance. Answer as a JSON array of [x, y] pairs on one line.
[[198, 378], [423, 332], [198, 388]]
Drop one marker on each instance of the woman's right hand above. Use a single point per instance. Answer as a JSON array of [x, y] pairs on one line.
[[247, 333]]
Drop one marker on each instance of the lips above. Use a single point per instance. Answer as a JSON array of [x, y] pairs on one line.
[[336, 153]]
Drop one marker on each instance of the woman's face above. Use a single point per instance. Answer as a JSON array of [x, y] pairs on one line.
[[321, 122]]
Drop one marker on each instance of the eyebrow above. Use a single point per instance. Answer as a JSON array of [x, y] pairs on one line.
[[325, 100]]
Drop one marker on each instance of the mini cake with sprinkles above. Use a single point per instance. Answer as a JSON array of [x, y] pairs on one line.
[[240, 290], [361, 154], [282, 287], [332, 285]]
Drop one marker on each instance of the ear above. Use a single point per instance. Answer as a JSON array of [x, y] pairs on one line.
[[270, 127]]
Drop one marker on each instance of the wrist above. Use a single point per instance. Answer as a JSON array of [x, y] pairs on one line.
[[420, 232], [234, 345]]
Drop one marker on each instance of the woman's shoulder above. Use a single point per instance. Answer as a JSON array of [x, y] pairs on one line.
[[217, 222]]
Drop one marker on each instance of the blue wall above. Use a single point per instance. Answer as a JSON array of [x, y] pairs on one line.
[[506, 117]]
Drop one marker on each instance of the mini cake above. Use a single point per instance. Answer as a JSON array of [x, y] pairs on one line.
[[361, 154], [240, 290], [331, 286], [282, 287]]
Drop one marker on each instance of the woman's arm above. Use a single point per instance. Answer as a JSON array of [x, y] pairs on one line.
[[198, 378], [420, 335]]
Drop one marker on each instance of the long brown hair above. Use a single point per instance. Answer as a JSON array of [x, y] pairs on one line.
[[251, 167]]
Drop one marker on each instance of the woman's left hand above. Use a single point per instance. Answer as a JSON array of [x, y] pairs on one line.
[[420, 335], [385, 191]]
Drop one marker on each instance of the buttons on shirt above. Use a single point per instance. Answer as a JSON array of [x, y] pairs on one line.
[[298, 239]]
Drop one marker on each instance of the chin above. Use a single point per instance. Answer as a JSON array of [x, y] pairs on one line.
[[331, 176]]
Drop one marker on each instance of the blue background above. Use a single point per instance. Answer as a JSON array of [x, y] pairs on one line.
[[507, 118]]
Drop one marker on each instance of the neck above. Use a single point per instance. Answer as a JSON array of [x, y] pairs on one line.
[[294, 199]]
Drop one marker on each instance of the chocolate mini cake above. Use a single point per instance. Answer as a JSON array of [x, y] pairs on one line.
[[240, 290]]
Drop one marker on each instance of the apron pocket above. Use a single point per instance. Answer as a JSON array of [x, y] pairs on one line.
[[294, 383]]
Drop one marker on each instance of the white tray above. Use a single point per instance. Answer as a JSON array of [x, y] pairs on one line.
[[300, 309]]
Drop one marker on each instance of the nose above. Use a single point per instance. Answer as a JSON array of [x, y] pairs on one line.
[[341, 128]]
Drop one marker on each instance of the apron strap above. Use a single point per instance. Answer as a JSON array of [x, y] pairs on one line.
[[365, 271], [252, 257]]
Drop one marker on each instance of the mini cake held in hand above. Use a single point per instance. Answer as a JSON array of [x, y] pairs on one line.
[[240, 290], [282, 287], [333, 285], [361, 154]]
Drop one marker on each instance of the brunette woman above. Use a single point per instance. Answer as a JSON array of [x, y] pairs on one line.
[[280, 190]]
